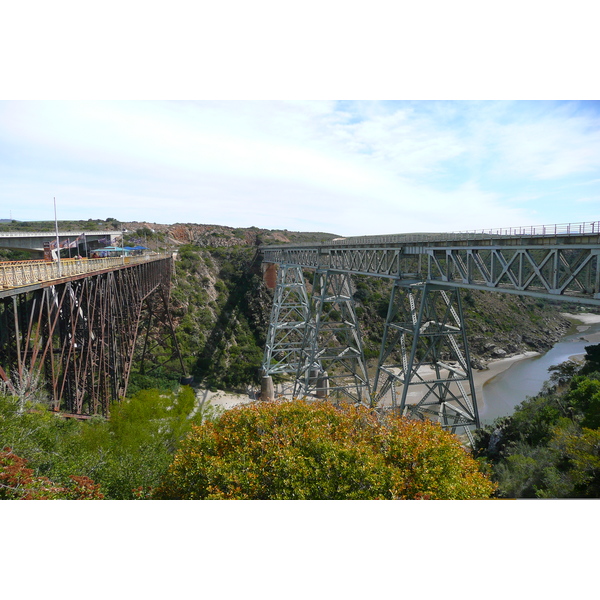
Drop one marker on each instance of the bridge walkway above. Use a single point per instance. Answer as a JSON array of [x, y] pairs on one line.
[[34, 274]]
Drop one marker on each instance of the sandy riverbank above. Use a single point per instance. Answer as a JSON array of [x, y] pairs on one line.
[[226, 400], [495, 367], [221, 399], [587, 320], [480, 377]]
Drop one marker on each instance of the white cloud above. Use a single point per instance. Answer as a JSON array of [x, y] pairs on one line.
[[404, 142], [552, 145], [349, 168], [589, 200]]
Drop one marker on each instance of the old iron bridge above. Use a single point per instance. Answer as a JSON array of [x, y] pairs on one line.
[[70, 328]]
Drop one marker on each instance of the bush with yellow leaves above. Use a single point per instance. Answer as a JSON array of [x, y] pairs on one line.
[[314, 450]]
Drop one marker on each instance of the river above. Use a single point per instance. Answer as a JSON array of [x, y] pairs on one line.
[[526, 377]]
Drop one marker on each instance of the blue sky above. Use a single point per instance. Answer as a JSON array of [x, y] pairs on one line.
[[345, 167]]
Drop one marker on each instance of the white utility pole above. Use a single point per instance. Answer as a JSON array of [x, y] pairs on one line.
[[57, 241]]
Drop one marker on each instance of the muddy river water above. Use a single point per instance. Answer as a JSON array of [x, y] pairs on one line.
[[526, 377]]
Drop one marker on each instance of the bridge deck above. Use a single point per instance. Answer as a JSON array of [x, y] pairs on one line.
[[556, 261], [19, 276], [588, 232]]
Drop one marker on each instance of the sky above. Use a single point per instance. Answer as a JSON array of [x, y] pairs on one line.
[[345, 167]]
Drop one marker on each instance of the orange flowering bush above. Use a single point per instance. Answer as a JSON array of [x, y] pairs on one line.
[[302, 450], [18, 482]]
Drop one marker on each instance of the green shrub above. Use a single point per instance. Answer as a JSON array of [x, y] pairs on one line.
[[301, 450]]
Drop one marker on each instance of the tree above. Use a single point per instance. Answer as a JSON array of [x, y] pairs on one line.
[[314, 450], [583, 454], [584, 396], [592, 359]]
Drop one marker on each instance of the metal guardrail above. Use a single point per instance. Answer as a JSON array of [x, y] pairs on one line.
[[29, 272], [530, 231], [52, 234], [585, 228]]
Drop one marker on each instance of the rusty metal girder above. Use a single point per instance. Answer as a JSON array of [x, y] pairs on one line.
[[80, 334]]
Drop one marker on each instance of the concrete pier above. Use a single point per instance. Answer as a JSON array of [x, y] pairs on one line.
[[322, 385], [267, 389]]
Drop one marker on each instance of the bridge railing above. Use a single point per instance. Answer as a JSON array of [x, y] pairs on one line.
[[560, 229], [51, 234], [28, 272], [529, 231]]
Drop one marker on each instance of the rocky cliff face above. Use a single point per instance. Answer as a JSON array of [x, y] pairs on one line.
[[501, 325]]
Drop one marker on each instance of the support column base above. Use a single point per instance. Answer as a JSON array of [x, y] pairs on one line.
[[267, 389], [322, 385]]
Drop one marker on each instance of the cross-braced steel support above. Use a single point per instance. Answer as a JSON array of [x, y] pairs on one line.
[[334, 362], [159, 331], [290, 315], [433, 377]]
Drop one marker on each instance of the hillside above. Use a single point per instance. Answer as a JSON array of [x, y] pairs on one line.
[[218, 236]]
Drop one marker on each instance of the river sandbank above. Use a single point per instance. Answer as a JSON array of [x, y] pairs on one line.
[[222, 400], [226, 400], [587, 320]]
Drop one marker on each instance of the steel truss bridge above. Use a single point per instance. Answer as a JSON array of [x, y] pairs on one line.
[[316, 341], [73, 327]]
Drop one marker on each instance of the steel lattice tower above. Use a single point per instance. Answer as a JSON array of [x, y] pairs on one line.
[[290, 316], [334, 361], [425, 326]]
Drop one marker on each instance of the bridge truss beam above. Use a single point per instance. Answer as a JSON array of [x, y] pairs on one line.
[[80, 335], [318, 343], [425, 325], [290, 317], [566, 271]]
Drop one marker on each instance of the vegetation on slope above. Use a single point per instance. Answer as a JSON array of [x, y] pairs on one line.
[[45, 456], [72, 225], [269, 450], [222, 309], [550, 446]]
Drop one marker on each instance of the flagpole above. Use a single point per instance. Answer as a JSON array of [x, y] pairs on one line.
[[57, 242]]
